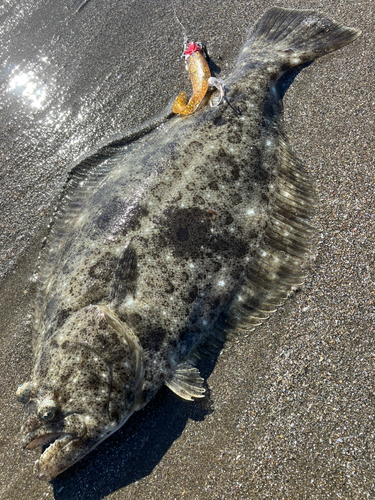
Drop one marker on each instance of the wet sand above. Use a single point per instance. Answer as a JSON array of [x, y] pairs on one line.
[[289, 411]]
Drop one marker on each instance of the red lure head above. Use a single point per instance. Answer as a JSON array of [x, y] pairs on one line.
[[193, 47]]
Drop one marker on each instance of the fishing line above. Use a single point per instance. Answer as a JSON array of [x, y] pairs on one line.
[[183, 28]]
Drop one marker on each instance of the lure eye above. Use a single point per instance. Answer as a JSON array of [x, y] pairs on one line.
[[47, 410], [23, 392]]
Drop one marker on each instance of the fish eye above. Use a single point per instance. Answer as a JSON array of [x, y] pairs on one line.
[[23, 392], [47, 410]]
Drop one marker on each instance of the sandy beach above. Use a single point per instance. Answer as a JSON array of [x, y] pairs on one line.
[[289, 412]]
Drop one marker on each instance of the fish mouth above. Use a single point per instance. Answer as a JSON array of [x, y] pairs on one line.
[[66, 442], [64, 450], [60, 444], [54, 446], [45, 440], [56, 457]]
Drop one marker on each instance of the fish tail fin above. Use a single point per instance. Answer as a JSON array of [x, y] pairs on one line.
[[300, 36]]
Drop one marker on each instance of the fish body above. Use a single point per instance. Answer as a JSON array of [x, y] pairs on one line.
[[165, 241]]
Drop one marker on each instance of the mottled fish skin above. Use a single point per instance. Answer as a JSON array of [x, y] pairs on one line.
[[161, 244]]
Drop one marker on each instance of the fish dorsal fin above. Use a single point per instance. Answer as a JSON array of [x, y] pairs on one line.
[[84, 175], [186, 382], [277, 265]]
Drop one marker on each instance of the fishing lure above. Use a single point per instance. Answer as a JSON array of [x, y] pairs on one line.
[[199, 73]]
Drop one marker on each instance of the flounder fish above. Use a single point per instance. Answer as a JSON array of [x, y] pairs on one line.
[[167, 241]]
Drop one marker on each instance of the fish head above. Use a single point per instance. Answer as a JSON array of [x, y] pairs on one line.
[[87, 381]]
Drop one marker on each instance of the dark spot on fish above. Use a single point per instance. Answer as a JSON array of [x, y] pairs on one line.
[[93, 380], [153, 338], [134, 220], [169, 288], [193, 148], [184, 277], [235, 199], [221, 153], [235, 172], [216, 266], [185, 230], [236, 273], [213, 185], [198, 200], [159, 190], [106, 216], [134, 319], [183, 233], [201, 239], [219, 120], [192, 294], [227, 218], [103, 269], [62, 316]]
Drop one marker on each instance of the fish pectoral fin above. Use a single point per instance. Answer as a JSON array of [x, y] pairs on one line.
[[125, 276], [186, 382]]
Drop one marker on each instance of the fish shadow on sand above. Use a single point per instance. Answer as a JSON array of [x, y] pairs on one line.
[[134, 450], [286, 80]]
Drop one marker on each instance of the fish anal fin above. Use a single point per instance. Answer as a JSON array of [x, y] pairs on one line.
[[186, 382], [278, 263]]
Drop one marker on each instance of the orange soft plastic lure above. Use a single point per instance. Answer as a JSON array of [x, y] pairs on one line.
[[199, 73]]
